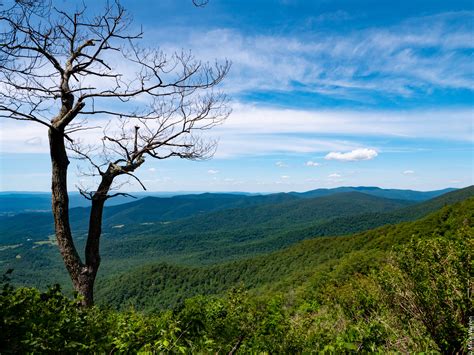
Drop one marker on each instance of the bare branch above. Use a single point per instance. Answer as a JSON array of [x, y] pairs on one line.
[[121, 194]]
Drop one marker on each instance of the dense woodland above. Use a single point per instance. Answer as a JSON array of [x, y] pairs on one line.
[[316, 276]]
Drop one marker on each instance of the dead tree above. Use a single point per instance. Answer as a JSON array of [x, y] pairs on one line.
[[77, 73]]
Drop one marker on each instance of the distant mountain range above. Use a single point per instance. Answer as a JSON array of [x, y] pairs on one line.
[[411, 195], [23, 216], [17, 202]]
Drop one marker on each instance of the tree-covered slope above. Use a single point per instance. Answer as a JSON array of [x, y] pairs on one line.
[[37, 226], [238, 233], [21, 202], [210, 212], [364, 221], [17, 210], [163, 285]]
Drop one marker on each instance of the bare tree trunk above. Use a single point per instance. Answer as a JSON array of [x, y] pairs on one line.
[[60, 207], [92, 252], [73, 45], [82, 275]]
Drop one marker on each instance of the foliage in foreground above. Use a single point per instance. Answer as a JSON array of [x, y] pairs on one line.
[[417, 300]]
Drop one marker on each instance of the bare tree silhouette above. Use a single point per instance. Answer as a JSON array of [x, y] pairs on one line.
[[69, 70]]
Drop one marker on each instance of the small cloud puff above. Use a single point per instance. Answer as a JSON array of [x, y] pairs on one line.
[[213, 172], [281, 164], [33, 141], [408, 172], [152, 170], [334, 176], [311, 163], [284, 177], [354, 155]]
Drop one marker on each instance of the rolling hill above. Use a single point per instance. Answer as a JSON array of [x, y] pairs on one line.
[[159, 285], [403, 287], [148, 210]]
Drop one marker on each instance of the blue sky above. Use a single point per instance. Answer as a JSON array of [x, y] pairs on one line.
[[324, 94]]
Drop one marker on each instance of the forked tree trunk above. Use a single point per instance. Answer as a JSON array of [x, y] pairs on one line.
[[82, 275]]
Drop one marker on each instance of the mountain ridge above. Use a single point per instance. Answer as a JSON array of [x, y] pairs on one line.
[[12, 202]]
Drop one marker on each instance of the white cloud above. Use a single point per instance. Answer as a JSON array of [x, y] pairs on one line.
[[284, 177], [312, 163], [408, 172], [270, 127], [281, 164], [152, 170], [354, 155], [334, 176], [213, 172]]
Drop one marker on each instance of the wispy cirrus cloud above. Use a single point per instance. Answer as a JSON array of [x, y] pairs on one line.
[[254, 130], [415, 56]]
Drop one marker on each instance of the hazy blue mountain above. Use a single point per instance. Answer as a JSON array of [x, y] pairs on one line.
[[20, 202], [233, 211], [377, 191]]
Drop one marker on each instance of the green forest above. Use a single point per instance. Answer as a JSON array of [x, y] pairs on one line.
[[403, 286]]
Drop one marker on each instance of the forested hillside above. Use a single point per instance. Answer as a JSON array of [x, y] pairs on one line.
[[158, 210], [403, 288], [158, 286], [23, 202]]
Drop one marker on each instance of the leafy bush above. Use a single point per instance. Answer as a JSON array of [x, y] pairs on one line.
[[33, 321], [429, 280]]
